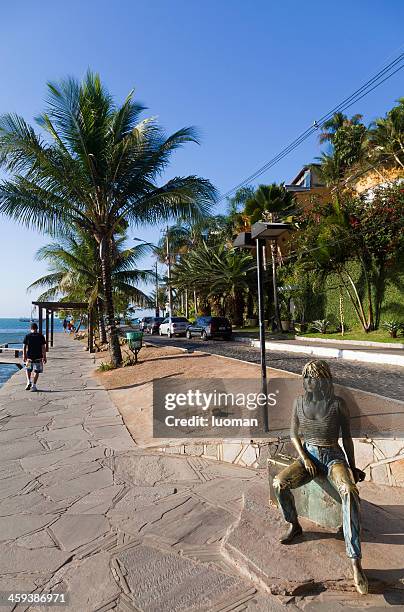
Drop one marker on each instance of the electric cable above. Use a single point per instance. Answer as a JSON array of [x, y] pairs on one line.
[[370, 85]]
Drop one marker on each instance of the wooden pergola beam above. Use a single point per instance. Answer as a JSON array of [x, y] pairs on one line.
[[52, 307], [62, 305]]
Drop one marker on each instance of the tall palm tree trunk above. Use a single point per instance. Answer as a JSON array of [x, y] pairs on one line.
[[238, 308], [101, 322], [112, 332], [80, 324]]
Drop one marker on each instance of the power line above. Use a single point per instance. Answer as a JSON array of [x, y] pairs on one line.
[[342, 106], [380, 77]]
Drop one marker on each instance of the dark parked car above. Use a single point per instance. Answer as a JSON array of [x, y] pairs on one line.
[[210, 327], [154, 325], [143, 322]]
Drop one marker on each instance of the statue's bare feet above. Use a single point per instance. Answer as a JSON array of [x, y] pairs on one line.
[[292, 533], [360, 580]]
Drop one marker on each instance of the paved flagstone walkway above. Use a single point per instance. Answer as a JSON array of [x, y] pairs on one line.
[[86, 512], [81, 506]]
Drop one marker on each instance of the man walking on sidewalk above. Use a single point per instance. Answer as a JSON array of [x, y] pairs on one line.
[[34, 356]]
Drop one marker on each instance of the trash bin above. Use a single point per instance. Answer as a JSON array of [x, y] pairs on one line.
[[134, 339]]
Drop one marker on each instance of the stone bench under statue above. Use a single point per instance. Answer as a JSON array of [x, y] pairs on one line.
[[317, 501]]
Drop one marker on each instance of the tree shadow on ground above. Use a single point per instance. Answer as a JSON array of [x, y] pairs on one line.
[[171, 357], [140, 384], [68, 390]]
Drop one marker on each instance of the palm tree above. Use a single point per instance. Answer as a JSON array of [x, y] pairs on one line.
[[330, 169], [96, 166], [237, 221], [181, 238], [270, 203], [219, 274], [349, 148], [386, 137], [75, 273], [332, 125]]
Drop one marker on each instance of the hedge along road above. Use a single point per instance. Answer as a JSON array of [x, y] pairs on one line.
[[384, 380]]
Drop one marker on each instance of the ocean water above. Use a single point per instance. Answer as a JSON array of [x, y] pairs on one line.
[[12, 332]]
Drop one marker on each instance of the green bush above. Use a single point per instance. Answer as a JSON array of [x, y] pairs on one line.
[[105, 367], [393, 326], [321, 325]]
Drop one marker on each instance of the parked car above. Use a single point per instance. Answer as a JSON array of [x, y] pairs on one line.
[[174, 326], [154, 325], [210, 327], [143, 322]]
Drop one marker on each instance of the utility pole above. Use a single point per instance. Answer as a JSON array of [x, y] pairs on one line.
[[157, 293], [170, 295]]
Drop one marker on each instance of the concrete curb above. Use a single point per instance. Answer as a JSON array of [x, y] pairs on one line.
[[359, 343], [334, 353]]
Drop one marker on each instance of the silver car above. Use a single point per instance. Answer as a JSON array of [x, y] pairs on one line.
[[173, 326]]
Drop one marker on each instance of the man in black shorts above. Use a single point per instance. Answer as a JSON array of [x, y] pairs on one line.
[[34, 355]]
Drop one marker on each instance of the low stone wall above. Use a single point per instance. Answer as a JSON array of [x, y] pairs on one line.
[[381, 459], [238, 452]]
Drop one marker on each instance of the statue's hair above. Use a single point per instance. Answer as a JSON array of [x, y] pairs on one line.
[[321, 370], [317, 369]]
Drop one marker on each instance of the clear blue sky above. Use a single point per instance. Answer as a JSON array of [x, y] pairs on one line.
[[250, 75]]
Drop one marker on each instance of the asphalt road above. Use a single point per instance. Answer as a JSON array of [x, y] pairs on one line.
[[380, 379]]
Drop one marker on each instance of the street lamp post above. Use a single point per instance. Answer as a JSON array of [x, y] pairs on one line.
[[260, 233], [260, 246]]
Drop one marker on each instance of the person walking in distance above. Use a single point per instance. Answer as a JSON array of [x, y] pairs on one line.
[[319, 418], [64, 325], [34, 356]]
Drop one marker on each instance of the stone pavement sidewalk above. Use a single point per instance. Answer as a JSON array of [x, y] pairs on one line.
[[84, 511]]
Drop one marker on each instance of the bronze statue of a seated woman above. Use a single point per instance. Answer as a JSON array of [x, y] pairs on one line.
[[320, 417]]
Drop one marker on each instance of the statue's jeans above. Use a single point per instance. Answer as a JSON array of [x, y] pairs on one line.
[[330, 461]]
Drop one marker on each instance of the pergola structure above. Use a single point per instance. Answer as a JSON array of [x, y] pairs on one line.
[[52, 307]]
